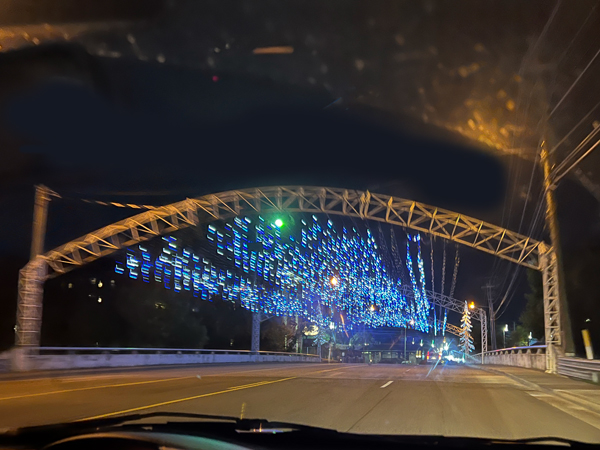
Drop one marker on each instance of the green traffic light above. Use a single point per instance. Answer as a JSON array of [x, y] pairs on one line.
[[279, 223]]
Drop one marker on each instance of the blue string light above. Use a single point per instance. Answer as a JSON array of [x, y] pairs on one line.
[[325, 276]]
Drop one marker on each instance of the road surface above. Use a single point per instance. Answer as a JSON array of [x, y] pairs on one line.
[[451, 400]]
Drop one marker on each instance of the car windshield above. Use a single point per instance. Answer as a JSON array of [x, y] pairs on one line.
[[373, 217]]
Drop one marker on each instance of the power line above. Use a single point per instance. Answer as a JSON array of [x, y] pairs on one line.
[[574, 152], [533, 225], [538, 212], [524, 64], [559, 177], [574, 84], [576, 34], [553, 149]]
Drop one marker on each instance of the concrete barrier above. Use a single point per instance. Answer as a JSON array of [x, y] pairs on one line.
[[60, 358], [533, 357]]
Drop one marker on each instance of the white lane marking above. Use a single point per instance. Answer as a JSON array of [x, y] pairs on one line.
[[386, 384]]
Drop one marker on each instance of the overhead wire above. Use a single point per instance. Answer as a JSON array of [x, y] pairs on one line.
[[537, 214], [562, 175], [574, 152], [553, 149], [525, 63], [574, 84]]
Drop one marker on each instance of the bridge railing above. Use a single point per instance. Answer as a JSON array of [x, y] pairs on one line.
[[532, 357], [60, 358], [161, 351]]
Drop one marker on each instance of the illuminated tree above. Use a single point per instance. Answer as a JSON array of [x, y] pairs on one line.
[[466, 341]]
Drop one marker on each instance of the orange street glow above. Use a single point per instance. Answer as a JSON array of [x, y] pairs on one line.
[[282, 50]]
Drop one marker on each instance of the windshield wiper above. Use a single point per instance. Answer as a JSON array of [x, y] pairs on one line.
[[243, 426], [550, 441], [117, 420], [240, 425]]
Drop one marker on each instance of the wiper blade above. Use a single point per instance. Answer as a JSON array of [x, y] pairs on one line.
[[550, 441], [240, 425], [133, 417], [116, 420]]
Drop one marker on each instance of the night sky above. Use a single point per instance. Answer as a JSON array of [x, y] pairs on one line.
[[440, 102]]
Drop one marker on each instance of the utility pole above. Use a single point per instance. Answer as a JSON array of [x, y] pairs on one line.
[[567, 344], [43, 195], [488, 287]]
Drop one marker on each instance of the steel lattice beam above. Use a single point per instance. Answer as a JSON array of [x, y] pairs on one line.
[[444, 301], [361, 204], [453, 329], [455, 305]]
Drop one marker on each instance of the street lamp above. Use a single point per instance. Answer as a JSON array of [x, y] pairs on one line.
[[472, 305], [530, 337], [333, 281], [504, 330]]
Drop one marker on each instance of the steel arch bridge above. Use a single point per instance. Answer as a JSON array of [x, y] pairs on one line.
[[365, 205]]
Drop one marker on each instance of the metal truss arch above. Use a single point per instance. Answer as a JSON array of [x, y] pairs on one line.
[[364, 205], [289, 199]]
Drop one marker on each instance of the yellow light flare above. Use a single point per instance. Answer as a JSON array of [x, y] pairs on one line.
[[276, 50]]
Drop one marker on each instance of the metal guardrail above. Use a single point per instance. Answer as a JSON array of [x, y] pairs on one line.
[[583, 369], [160, 351]]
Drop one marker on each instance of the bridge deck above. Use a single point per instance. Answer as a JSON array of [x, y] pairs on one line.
[[449, 400]]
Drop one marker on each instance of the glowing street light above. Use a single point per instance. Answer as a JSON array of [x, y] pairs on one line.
[[372, 308], [333, 281], [472, 305], [279, 223]]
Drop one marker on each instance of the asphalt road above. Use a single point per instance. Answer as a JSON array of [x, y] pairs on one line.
[[451, 401]]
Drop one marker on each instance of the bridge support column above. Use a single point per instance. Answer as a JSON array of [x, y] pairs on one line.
[[553, 267], [30, 302], [255, 346], [552, 320]]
